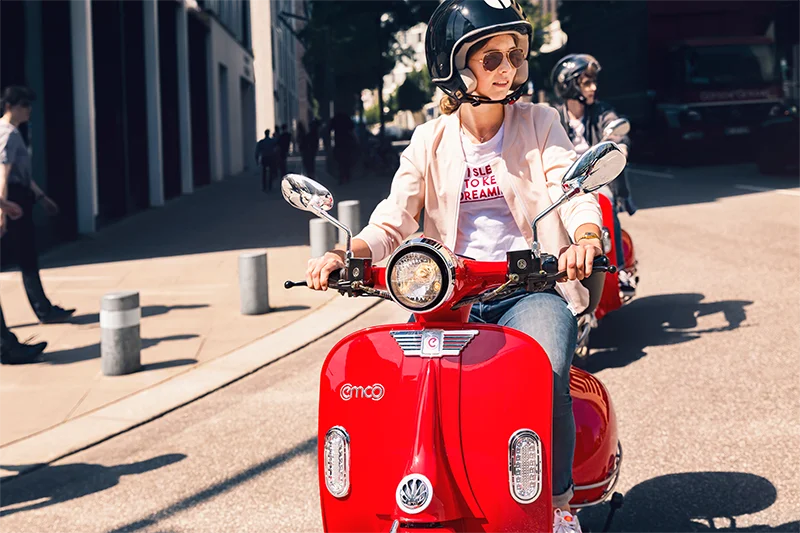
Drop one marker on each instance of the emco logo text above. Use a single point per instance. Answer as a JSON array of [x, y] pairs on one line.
[[373, 392]]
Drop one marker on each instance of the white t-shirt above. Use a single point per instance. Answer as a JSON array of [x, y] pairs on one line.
[[486, 229], [580, 142]]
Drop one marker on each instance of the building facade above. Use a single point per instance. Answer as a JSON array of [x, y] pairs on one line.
[[283, 94], [141, 101]]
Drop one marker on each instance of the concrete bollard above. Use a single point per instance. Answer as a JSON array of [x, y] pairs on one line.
[[350, 216], [120, 338], [322, 236], [253, 289]]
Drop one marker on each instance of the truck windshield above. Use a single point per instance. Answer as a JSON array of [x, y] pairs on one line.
[[730, 65]]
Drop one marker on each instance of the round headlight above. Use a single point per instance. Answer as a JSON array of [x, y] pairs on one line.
[[416, 280], [420, 275]]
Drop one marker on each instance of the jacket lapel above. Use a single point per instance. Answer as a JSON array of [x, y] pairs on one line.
[[508, 175], [451, 153]]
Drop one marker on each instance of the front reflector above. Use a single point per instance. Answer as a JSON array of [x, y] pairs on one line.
[[337, 461], [525, 466]]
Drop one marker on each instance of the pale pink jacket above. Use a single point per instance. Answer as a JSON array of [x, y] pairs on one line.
[[536, 153]]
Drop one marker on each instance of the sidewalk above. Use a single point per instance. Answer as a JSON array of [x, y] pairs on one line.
[[183, 260]]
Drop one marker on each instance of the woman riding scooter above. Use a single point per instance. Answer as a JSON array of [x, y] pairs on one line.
[[574, 80], [477, 54]]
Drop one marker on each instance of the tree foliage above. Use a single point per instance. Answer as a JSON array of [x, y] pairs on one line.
[[416, 91], [350, 46]]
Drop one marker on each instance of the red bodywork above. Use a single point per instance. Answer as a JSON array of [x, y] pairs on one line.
[[610, 300], [451, 418]]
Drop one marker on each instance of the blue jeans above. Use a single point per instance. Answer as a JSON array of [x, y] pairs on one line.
[[545, 317]]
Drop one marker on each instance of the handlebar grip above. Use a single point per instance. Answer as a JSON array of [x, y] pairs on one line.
[[333, 280]]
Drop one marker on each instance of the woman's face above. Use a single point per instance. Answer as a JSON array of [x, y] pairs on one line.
[[494, 84]]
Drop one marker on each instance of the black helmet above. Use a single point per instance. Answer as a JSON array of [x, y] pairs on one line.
[[455, 27], [566, 73]]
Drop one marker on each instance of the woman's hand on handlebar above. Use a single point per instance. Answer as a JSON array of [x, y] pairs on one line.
[[577, 259], [320, 268]]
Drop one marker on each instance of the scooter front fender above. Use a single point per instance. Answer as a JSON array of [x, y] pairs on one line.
[[448, 418]]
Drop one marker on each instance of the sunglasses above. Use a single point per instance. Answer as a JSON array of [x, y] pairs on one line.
[[24, 103], [492, 60]]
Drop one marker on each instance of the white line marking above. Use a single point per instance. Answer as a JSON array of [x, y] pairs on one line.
[[785, 192], [665, 175]]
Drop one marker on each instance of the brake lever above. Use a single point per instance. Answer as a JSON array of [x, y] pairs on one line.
[[610, 269]]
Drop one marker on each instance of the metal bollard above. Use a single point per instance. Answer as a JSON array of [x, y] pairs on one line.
[[322, 236], [350, 216], [253, 289], [120, 339]]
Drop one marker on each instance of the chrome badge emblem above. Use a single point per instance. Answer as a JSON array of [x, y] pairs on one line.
[[433, 342], [414, 493]]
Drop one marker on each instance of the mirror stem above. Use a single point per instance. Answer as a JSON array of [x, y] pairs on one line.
[[349, 251], [535, 247]]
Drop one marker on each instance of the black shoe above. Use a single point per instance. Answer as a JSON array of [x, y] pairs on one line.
[[20, 353], [56, 314]]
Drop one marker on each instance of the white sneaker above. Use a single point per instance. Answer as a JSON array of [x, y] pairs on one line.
[[564, 522]]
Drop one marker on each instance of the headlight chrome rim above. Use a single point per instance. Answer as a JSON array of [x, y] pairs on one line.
[[444, 259]]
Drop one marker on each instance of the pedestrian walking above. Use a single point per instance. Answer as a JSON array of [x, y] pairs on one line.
[[18, 195], [265, 157]]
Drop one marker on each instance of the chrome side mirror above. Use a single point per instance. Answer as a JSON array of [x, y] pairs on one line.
[[598, 166], [617, 128], [308, 195]]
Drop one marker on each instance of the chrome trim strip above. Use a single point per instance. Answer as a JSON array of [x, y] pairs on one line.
[[611, 480], [511, 442], [452, 343]]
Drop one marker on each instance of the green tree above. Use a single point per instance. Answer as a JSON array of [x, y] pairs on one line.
[[350, 46], [416, 91]]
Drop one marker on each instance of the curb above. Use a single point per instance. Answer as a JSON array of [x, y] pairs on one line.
[[144, 406]]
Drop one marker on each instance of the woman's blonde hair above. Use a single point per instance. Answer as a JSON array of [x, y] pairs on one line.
[[448, 105]]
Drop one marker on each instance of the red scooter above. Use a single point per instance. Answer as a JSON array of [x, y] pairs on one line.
[[614, 294], [444, 425]]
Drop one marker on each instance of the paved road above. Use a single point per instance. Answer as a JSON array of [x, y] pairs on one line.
[[702, 366]]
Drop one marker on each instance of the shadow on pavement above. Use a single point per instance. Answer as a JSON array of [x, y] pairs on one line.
[[306, 447], [62, 483], [287, 308], [84, 353], [695, 501], [94, 318], [660, 320]]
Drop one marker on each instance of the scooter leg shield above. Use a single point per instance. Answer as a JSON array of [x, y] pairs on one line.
[[428, 439]]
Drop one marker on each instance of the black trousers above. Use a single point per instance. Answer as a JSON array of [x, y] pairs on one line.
[[22, 234], [267, 174]]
